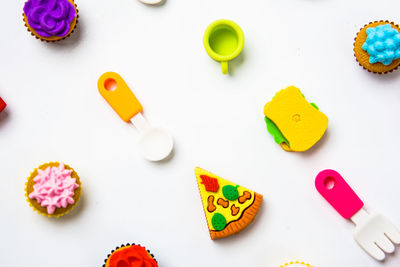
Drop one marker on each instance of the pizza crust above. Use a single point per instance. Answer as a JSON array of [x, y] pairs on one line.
[[236, 226]]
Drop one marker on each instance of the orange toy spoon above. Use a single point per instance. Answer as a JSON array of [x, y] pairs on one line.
[[155, 143]]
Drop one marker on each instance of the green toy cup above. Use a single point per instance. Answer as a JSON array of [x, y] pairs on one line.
[[223, 41]]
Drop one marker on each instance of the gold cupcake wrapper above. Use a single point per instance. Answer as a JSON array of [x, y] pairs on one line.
[[355, 41], [127, 245], [296, 262], [56, 38], [70, 207]]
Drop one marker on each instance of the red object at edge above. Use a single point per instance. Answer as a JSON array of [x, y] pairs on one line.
[[2, 104]]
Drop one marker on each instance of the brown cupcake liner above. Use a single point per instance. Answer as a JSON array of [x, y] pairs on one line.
[[37, 36], [127, 245], [42, 210], [354, 47]]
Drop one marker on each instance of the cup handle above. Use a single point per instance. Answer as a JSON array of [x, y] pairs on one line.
[[224, 66]]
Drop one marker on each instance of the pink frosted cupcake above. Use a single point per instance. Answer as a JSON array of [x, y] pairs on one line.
[[53, 189]]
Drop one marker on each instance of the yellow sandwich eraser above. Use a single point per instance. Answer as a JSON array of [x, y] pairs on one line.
[[299, 122]]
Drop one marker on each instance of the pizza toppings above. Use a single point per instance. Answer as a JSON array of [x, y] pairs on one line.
[[218, 222], [210, 183], [211, 207], [222, 202], [243, 198], [229, 210], [230, 192], [235, 210]]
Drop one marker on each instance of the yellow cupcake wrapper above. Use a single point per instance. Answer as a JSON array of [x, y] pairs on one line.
[[296, 262], [46, 39], [71, 207]]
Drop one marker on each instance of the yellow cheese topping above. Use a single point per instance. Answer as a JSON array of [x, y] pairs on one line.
[[216, 202]]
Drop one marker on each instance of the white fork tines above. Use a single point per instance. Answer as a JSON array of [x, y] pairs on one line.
[[375, 234]]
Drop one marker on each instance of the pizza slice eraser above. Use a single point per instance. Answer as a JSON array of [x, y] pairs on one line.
[[294, 123], [229, 208], [2, 104]]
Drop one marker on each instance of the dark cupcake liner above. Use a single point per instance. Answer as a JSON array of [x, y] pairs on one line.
[[127, 245]]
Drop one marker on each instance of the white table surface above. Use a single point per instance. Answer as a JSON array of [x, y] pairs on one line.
[[55, 113]]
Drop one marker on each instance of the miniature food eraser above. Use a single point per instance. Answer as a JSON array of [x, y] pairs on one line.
[[229, 208], [296, 264], [50, 21], [53, 189], [294, 123], [2, 104], [377, 47], [130, 255]]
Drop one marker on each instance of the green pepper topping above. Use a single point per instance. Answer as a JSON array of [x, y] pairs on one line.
[[218, 222], [230, 192]]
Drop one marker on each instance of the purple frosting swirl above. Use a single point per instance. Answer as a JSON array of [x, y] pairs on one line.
[[50, 17]]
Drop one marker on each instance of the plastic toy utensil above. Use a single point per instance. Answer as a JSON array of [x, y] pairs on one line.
[[151, 2], [155, 144], [223, 41], [2, 104], [373, 232]]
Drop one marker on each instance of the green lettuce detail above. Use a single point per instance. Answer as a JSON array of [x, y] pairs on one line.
[[315, 106], [275, 132]]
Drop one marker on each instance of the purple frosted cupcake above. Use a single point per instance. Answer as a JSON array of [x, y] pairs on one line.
[[50, 20]]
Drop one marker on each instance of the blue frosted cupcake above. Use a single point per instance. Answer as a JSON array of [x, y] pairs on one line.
[[377, 47]]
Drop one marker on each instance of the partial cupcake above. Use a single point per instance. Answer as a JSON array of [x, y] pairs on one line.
[[53, 189], [377, 47], [296, 264], [50, 20], [130, 255]]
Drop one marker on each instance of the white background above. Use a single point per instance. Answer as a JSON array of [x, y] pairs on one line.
[[55, 113]]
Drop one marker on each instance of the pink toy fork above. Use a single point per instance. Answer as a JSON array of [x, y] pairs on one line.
[[373, 232]]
